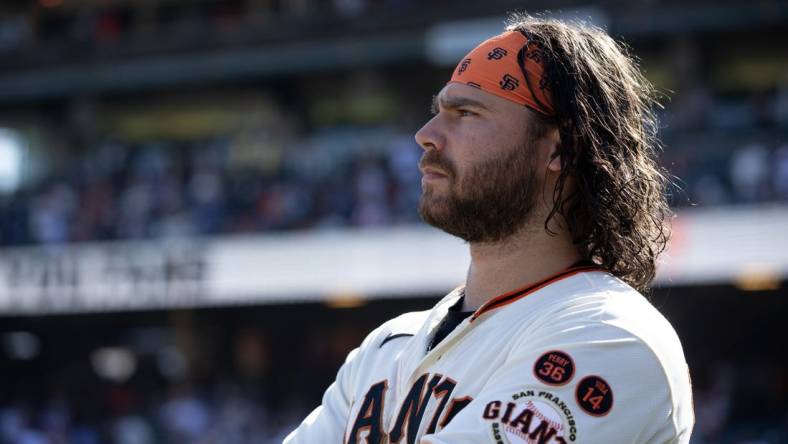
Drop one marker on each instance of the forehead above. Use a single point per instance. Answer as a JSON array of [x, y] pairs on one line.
[[457, 92]]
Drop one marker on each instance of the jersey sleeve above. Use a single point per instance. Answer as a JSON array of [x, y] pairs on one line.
[[587, 384]]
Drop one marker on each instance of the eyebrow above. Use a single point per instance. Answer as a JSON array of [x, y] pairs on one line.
[[455, 102]]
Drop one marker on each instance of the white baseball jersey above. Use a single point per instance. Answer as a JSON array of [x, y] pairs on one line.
[[580, 357]]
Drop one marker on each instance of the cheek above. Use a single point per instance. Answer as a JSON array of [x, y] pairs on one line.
[[478, 141], [475, 140], [486, 142]]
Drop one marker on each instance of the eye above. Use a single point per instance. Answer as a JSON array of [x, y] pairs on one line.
[[465, 113]]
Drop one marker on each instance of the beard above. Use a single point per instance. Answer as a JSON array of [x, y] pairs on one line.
[[489, 203]]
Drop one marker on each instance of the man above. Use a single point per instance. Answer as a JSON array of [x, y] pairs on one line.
[[541, 155]]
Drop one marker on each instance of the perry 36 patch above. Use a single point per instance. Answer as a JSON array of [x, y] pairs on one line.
[[594, 395], [531, 417], [554, 368]]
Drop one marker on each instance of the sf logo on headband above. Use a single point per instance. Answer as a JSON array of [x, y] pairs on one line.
[[496, 54], [463, 66], [508, 83]]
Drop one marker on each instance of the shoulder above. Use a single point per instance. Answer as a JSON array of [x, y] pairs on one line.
[[602, 308], [615, 338], [600, 301], [610, 306]]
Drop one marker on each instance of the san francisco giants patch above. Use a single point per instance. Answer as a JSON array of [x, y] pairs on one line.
[[554, 368], [531, 417], [594, 395]]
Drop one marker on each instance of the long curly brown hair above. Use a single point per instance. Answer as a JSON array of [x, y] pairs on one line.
[[615, 203]]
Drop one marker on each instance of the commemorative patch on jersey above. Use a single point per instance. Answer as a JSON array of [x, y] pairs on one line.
[[594, 395], [554, 368], [530, 417]]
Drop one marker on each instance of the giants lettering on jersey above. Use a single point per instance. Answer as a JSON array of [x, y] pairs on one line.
[[370, 415], [410, 413], [530, 421]]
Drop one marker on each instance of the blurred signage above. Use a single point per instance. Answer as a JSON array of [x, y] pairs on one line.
[[727, 245], [743, 246], [229, 270], [101, 277]]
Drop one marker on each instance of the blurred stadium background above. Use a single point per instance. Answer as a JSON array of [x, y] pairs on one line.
[[204, 205]]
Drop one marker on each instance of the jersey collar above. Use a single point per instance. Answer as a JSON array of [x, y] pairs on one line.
[[515, 295]]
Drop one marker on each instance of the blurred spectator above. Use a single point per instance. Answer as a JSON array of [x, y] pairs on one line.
[[713, 404], [349, 8], [781, 172], [132, 429], [749, 168], [709, 190], [781, 103], [691, 109], [52, 213], [372, 207], [15, 32], [185, 417]]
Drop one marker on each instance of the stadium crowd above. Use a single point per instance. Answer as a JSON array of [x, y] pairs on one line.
[[344, 177], [44, 31], [169, 189], [163, 396]]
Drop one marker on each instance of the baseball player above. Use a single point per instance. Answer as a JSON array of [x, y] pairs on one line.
[[541, 155]]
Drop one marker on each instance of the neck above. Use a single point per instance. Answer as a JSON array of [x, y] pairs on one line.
[[525, 258]]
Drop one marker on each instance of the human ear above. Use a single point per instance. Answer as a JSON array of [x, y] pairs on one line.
[[553, 141]]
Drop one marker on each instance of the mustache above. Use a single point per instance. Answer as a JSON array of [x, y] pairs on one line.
[[433, 159]]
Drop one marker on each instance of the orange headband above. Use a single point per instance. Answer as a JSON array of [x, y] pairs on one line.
[[492, 67]]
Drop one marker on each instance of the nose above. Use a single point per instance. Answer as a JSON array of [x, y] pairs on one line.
[[430, 135]]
